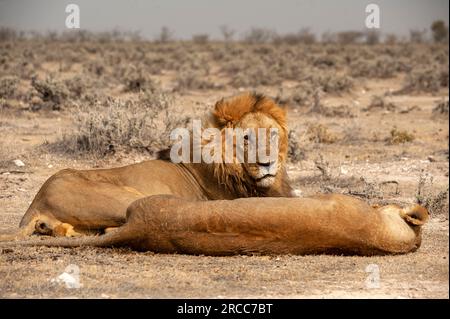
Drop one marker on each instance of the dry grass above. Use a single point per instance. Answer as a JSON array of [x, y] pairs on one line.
[[8, 86], [379, 103], [52, 93], [120, 97], [399, 137], [319, 133], [115, 125], [426, 79], [441, 109], [435, 201]]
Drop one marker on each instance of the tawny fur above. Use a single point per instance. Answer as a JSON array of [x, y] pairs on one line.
[[74, 202], [334, 224]]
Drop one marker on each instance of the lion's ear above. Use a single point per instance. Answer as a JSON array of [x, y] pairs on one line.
[[220, 116]]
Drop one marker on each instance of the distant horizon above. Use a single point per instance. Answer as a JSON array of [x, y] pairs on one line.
[[128, 34], [187, 19]]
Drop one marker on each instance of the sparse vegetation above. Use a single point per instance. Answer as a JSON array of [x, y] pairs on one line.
[[427, 79], [440, 31], [399, 137], [318, 133], [379, 103], [8, 86], [441, 109], [115, 125], [435, 201], [53, 93], [86, 100], [295, 153]]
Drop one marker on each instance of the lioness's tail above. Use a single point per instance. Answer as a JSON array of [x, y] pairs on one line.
[[11, 236], [18, 234]]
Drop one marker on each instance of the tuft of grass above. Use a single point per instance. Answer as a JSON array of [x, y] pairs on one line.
[[399, 137], [441, 109], [319, 133]]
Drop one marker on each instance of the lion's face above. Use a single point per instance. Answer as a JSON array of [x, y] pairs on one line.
[[263, 170], [253, 111]]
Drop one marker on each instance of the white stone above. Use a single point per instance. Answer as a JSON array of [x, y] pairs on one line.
[[19, 163]]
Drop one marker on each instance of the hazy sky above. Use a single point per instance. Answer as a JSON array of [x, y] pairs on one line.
[[187, 17]]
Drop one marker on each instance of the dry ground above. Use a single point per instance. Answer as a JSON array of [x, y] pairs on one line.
[[358, 160]]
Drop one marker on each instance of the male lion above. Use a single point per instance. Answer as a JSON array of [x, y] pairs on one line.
[[73, 202]]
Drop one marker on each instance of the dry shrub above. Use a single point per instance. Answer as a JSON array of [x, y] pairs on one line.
[[381, 68], [200, 38], [255, 75], [399, 137], [304, 36], [319, 133], [331, 181], [135, 79], [441, 109], [193, 80], [325, 61], [8, 86], [333, 83], [349, 37], [52, 92], [259, 35], [300, 96], [435, 201], [295, 154], [380, 103], [427, 79], [114, 125]]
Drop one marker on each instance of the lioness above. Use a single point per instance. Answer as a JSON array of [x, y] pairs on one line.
[[321, 224], [73, 202]]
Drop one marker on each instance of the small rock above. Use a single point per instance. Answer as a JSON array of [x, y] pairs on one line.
[[431, 158], [297, 192], [19, 163], [50, 166]]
